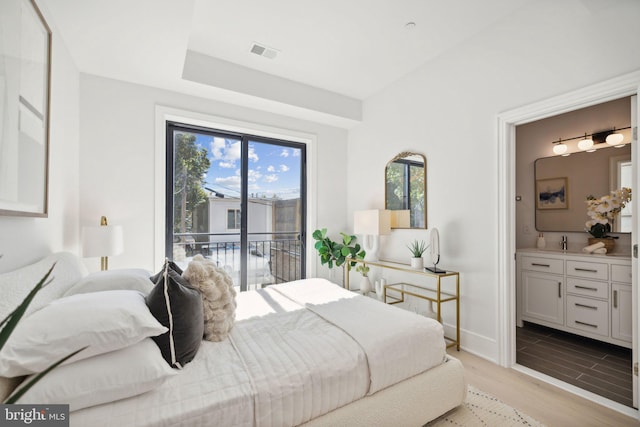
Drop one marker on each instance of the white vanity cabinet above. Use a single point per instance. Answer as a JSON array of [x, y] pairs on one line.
[[541, 290], [587, 295], [621, 314]]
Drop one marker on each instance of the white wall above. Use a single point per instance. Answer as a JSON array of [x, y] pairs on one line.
[[117, 129], [24, 240], [447, 110]]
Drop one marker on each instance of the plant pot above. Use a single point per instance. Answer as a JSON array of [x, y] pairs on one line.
[[417, 263], [365, 286], [609, 243]]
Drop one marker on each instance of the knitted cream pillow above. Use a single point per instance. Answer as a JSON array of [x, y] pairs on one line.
[[218, 296]]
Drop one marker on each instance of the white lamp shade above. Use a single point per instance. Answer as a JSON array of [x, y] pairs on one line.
[[585, 144], [104, 240], [615, 138], [400, 218], [374, 222], [560, 148]]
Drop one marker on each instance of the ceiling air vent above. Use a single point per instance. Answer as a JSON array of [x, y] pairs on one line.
[[262, 50]]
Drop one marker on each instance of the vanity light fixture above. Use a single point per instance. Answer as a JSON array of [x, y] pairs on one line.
[[593, 142], [560, 148], [586, 143], [615, 139]]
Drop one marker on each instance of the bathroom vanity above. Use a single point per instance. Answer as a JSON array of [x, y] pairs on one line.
[[585, 294]]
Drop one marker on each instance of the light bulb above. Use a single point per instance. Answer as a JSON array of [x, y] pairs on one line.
[[585, 144], [615, 138], [559, 148]]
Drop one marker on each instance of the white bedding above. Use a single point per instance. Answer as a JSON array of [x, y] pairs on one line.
[[297, 351]]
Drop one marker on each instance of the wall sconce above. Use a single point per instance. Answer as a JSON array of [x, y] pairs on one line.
[[371, 224], [103, 241], [560, 148]]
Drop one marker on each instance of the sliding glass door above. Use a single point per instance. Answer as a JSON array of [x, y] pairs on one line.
[[238, 200]]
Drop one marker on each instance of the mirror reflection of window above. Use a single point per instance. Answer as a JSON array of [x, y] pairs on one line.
[[405, 182], [624, 180]]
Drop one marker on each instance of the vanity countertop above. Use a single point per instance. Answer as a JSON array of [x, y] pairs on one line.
[[551, 251]]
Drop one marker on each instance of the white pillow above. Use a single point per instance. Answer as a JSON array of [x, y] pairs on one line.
[[135, 279], [104, 321], [16, 285], [101, 379]]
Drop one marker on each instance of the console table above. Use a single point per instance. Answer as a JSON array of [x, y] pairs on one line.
[[429, 288]]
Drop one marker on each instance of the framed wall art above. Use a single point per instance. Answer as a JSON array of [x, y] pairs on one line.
[[25, 80], [552, 193]]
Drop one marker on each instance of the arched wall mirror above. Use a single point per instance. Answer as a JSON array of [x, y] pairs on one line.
[[405, 178]]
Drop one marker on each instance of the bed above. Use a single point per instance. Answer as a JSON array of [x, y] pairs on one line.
[[302, 353]]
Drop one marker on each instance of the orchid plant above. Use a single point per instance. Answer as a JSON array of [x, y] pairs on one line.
[[604, 210]]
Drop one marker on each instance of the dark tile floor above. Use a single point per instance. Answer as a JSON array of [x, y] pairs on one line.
[[598, 367]]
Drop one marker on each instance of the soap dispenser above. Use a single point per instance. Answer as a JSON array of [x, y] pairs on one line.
[[541, 243]]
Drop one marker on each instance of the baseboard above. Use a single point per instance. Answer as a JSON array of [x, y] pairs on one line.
[[478, 345]]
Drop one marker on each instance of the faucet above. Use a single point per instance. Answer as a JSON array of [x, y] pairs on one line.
[[564, 243]]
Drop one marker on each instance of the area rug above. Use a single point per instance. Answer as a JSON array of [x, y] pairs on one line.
[[482, 409]]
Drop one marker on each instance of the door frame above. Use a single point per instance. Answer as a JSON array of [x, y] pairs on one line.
[[626, 85]]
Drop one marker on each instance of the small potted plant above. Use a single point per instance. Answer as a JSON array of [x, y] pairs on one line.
[[417, 248], [365, 284]]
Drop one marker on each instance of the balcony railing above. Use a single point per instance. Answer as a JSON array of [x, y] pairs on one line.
[[276, 260]]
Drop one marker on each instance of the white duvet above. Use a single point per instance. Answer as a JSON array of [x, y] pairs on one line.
[[297, 351]]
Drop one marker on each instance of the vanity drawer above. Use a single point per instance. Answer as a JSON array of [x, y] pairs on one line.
[[588, 270], [588, 288], [588, 315], [621, 273], [546, 265]]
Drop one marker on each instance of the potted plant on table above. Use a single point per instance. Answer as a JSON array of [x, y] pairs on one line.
[[417, 248], [603, 211], [365, 284], [335, 253]]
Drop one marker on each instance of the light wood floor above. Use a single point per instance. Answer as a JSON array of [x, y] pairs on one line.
[[544, 402]]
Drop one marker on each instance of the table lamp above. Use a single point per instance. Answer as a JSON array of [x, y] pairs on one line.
[[103, 241]]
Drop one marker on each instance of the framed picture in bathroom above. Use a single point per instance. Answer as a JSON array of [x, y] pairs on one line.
[[552, 193]]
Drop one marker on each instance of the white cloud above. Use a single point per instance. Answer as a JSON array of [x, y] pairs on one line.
[[252, 154], [217, 147], [284, 168], [296, 152], [230, 182], [270, 178], [227, 165], [284, 152], [270, 168], [229, 151], [253, 175]]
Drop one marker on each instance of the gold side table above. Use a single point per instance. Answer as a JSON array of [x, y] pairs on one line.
[[394, 293]]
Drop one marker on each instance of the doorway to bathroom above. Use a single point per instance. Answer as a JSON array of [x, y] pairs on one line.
[[518, 231], [563, 164]]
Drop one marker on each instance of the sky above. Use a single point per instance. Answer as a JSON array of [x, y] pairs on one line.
[[273, 169]]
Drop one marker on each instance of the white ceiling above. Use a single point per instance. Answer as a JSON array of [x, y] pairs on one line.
[[347, 48]]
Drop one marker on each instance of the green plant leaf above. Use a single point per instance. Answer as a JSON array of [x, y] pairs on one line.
[[10, 322], [17, 395]]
